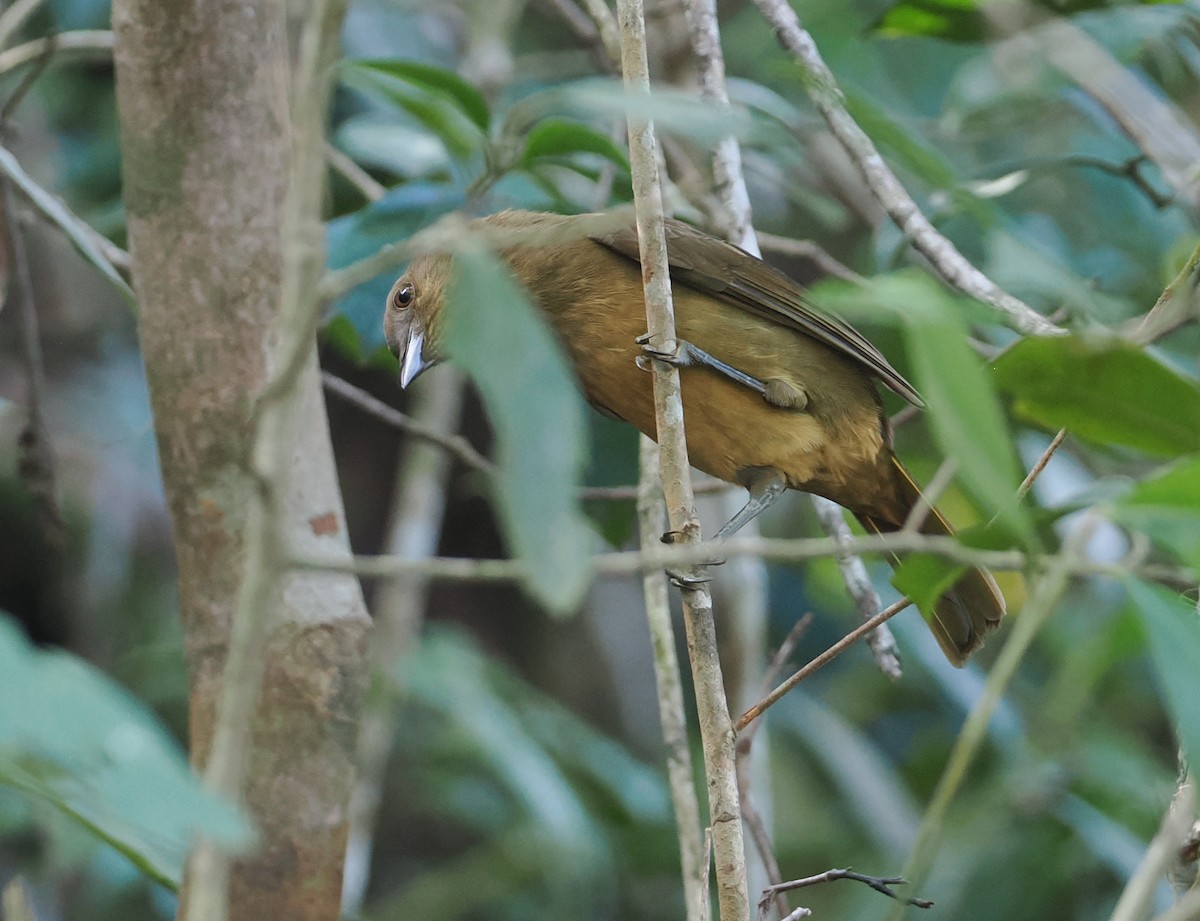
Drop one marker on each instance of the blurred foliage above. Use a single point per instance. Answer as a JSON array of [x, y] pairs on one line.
[[526, 781]]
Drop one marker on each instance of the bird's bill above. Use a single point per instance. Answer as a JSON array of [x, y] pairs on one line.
[[412, 356]]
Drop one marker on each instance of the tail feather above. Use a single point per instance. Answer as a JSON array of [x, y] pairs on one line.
[[973, 606]]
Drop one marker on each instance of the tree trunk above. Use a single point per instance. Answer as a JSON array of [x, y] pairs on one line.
[[203, 109]]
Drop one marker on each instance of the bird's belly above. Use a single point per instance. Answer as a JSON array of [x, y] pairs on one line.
[[729, 427]]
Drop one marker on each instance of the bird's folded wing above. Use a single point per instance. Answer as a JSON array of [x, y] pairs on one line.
[[723, 270]]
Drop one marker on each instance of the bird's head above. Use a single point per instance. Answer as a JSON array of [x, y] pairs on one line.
[[411, 321]]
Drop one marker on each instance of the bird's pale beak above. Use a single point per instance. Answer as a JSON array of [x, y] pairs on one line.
[[412, 356]]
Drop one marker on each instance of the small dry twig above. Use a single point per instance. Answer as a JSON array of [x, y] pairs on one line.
[[823, 659], [882, 884]]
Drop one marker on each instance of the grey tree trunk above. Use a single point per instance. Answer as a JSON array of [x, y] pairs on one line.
[[205, 131]]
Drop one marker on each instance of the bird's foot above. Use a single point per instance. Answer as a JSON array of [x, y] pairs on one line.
[[685, 355], [691, 576]]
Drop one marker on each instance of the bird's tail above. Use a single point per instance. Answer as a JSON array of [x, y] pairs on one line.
[[972, 607]]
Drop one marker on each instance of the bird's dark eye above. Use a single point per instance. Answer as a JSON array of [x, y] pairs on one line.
[[403, 297]]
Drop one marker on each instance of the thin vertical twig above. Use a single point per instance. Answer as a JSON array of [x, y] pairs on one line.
[[716, 729], [1043, 599], [651, 521], [414, 528]]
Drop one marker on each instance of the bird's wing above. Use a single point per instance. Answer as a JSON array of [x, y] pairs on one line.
[[723, 270]]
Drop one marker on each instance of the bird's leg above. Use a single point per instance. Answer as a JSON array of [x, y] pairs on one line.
[[765, 485], [686, 355]]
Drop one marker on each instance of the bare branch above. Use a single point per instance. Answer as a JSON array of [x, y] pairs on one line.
[[881, 884], [715, 727], [415, 524], [945, 258], [807, 249], [14, 16], [823, 659], [1040, 465], [1138, 895], [84, 43], [456, 445], [858, 584], [693, 855], [354, 174]]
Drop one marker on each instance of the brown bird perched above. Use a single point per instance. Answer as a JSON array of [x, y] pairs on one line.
[[776, 394]]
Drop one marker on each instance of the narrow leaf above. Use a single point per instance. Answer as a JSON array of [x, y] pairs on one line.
[[964, 413], [435, 79], [534, 405], [1173, 632], [1107, 391], [439, 111]]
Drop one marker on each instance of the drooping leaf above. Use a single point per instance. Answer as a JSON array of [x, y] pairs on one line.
[[81, 236], [435, 79], [964, 413], [1108, 391], [924, 577], [538, 416], [1173, 633], [74, 739], [672, 111], [558, 137], [450, 114]]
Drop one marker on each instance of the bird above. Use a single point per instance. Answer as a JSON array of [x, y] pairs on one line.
[[777, 394]]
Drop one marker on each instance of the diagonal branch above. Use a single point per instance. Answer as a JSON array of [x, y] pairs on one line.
[[945, 258]]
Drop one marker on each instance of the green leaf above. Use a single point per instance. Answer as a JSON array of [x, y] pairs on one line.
[[436, 80], [924, 578], [1166, 508], [82, 237], [1173, 632], [965, 20], [964, 413], [557, 137], [1108, 391], [538, 416], [437, 109], [71, 737], [672, 111]]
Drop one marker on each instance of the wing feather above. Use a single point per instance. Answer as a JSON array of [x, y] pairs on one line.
[[738, 278]]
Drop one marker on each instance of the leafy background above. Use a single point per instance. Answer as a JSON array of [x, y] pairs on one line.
[[526, 781]]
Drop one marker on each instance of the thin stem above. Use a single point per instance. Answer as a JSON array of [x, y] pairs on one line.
[[415, 524], [651, 519], [455, 445], [1042, 461], [82, 42], [820, 661], [1043, 600], [716, 731]]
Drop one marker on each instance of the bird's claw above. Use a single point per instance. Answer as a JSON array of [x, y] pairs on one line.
[[694, 576], [681, 356], [688, 578]]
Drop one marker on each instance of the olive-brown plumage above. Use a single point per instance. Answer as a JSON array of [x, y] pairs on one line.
[[817, 425]]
